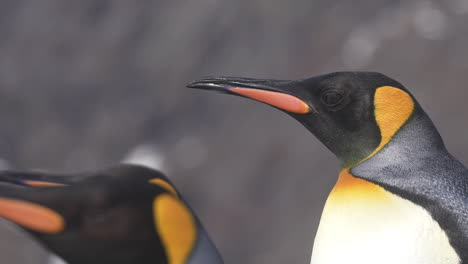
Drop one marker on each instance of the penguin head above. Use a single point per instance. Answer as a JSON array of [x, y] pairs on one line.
[[125, 214], [353, 113]]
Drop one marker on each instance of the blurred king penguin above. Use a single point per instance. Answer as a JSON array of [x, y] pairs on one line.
[[124, 215], [400, 197]]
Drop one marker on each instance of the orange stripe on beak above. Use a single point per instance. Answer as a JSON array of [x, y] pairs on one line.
[[282, 101], [43, 184], [31, 216]]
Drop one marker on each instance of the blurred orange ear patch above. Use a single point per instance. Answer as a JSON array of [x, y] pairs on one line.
[[282, 101], [43, 184], [31, 216], [164, 184], [176, 226]]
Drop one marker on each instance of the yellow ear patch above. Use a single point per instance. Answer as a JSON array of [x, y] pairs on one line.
[[31, 216], [176, 227], [164, 184], [43, 184], [393, 107]]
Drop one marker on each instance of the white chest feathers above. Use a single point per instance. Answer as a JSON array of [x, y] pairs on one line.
[[362, 223]]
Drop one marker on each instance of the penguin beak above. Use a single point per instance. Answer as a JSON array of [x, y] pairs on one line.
[[271, 92]]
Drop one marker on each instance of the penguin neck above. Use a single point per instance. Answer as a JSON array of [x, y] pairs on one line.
[[418, 138]]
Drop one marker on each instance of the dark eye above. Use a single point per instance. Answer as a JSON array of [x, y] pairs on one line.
[[332, 98]]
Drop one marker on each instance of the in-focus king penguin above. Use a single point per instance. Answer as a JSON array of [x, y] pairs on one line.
[[400, 197], [122, 215]]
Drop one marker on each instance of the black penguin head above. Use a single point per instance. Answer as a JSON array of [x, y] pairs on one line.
[[353, 113]]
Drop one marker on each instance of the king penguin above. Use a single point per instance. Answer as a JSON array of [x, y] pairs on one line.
[[400, 197], [122, 215]]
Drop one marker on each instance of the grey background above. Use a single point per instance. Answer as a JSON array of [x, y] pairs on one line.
[[85, 84]]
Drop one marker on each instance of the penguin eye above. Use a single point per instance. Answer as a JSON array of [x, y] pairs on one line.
[[332, 98]]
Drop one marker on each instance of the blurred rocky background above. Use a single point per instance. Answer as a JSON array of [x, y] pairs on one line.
[[86, 84]]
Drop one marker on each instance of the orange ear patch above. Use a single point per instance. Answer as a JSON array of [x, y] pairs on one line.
[[282, 101], [392, 108], [176, 226], [31, 216], [164, 184], [43, 184]]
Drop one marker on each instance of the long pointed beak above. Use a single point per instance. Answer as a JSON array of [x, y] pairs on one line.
[[271, 92]]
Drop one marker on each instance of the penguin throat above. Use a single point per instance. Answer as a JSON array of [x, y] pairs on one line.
[[350, 186]]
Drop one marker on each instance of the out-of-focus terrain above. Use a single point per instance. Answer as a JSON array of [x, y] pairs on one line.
[[86, 84]]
